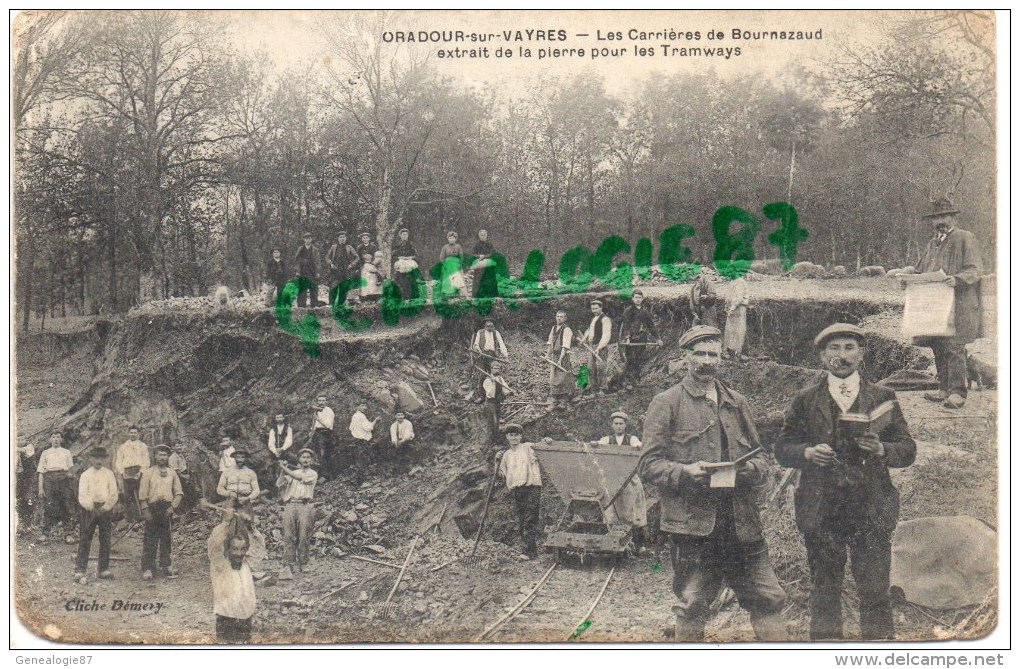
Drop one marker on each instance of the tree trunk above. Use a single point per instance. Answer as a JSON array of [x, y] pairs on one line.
[[793, 161]]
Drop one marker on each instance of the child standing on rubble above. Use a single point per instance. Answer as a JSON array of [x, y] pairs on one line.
[[518, 466]]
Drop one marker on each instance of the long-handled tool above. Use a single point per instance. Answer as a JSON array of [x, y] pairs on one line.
[[472, 559], [502, 383], [553, 363], [387, 608], [592, 351]]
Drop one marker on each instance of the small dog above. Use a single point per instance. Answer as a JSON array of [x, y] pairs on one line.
[[981, 373], [221, 298]]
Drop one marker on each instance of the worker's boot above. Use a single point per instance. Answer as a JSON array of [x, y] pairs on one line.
[[688, 630], [769, 627]]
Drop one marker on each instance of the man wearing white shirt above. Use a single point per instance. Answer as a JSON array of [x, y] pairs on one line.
[[297, 488], [281, 436], [97, 495], [361, 429], [55, 471], [131, 458], [323, 438], [401, 431], [233, 588], [596, 342], [630, 506], [518, 466], [489, 342], [561, 374]]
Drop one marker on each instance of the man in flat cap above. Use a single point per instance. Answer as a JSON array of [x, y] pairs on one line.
[[845, 498], [97, 495], [713, 524], [630, 506], [342, 260], [561, 366], [308, 264], [637, 334], [518, 467], [956, 252], [297, 488], [488, 344], [159, 494], [595, 340]]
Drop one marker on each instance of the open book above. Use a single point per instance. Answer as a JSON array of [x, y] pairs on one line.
[[856, 424]]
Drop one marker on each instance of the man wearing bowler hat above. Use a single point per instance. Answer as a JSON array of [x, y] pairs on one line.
[[713, 522], [955, 252], [846, 499]]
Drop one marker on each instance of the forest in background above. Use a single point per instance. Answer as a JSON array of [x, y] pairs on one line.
[[154, 159]]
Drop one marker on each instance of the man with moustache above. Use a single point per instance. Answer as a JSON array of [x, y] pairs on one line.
[[954, 251], [715, 532], [845, 499], [233, 588]]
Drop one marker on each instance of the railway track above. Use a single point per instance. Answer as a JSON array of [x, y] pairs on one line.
[[540, 615]]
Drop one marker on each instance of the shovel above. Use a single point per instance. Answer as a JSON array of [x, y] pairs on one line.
[[472, 559]]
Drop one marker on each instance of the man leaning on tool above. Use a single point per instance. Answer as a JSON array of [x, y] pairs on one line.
[[845, 498], [716, 533]]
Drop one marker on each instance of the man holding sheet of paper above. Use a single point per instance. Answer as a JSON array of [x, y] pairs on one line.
[[955, 253]]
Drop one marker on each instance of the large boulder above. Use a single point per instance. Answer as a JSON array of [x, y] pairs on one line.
[[872, 270], [807, 270]]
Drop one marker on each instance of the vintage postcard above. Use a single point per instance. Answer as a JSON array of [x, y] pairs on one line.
[[495, 327]]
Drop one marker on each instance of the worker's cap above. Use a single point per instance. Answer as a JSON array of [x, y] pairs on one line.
[[620, 414], [451, 233], [99, 452], [341, 233], [698, 333], [306, 235], [275, 248], [942, 206], [839, 330], [598, 302], [163, 448], [399, 412], [637, 292], [240, 451], [306, 450], [403, 230], [513, 428], [364, 234], [489, 320]]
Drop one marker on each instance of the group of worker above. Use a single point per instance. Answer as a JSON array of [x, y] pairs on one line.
[[699, 429], [365, 262]]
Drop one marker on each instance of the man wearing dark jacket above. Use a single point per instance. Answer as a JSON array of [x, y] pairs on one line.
[[955, 252], [846, 498], [713, 524], [278, 275], [637, 333], [308, 263], [342, 260]]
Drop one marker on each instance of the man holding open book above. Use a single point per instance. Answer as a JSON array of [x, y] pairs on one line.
[[844, 433]]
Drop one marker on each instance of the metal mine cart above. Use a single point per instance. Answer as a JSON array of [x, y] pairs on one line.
[[590, 479]]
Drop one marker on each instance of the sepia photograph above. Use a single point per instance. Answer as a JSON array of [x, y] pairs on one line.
[[505, 327]]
